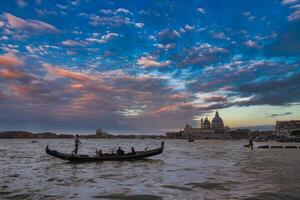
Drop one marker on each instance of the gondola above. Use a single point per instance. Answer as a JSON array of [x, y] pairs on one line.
[[105, 157]]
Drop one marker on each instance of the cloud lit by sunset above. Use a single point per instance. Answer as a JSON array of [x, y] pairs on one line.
[[147, 66]]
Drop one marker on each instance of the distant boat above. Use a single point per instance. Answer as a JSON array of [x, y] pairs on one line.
[[106, 157], [34, 141], [191, 140]]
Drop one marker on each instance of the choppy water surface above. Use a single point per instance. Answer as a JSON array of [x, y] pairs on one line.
[[198, 170]]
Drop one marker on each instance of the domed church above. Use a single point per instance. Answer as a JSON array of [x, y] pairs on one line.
[[217, 122], [208, 130]]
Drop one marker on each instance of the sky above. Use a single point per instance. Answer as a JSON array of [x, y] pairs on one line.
[[138, 66]]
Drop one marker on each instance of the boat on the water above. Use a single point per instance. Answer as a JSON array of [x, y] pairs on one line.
[[106, 157], [273, 147], [191, 140]]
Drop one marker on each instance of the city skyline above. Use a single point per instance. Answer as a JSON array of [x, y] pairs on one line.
[[147, 66]]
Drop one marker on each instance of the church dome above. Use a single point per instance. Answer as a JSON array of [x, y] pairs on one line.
[[217, 122], [206, 123]]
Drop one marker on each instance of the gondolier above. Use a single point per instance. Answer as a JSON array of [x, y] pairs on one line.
[[77, 142]]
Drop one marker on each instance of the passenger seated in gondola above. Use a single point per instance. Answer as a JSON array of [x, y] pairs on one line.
[[132, 150], [98, 152], [120, 152]]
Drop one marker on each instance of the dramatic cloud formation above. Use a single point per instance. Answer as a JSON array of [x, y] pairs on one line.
[[148, 66]]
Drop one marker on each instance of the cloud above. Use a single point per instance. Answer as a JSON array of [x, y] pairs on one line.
[[202, 55], [10, 74], [287, 42], [139, 25], [77, 86], [168, 35], [188, 27], [12, 70], [119, 100], [279, 114], [273, 92], [123, 10], [251, 44], [8, 60], [220, 36], [288, 2], [21, 3], [104, 38], [294, 16], [236, 72], [29, 25], [65, 73], [165, 46], [201, 10], [215, 98], [151, 62], [114, 20], [70, 43]]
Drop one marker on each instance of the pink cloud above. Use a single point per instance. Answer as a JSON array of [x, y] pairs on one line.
[[76, 86], [35, 25], [294, 16], [151, 62], [7, 60], [251, 44], [9, 74], [180, 96], [70, 43], [215, 98], [57, 71]]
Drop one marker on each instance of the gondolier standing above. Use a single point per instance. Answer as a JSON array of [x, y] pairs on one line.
[[77, 142]]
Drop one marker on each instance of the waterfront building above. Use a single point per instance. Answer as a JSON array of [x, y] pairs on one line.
[[288, 128], [174, 135], [217, 122], [207, 129]]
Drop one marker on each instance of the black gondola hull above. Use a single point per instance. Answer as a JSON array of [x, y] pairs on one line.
[[108, 157]]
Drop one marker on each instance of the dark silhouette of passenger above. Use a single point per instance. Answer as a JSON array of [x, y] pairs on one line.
[[77, 142], [251, 142], [98, 152], [120, 152], [132, 150]]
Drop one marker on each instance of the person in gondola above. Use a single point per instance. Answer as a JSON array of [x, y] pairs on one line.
[[132, 150], [251, 142], [120, 152], [98, 152], [77, 142]]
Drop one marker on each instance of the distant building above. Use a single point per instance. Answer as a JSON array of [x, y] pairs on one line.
[[102, 134], [288, 128], [217, 122], [207, 130], [174, 135]]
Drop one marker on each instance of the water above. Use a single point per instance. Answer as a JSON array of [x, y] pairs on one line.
[[199, 170]]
